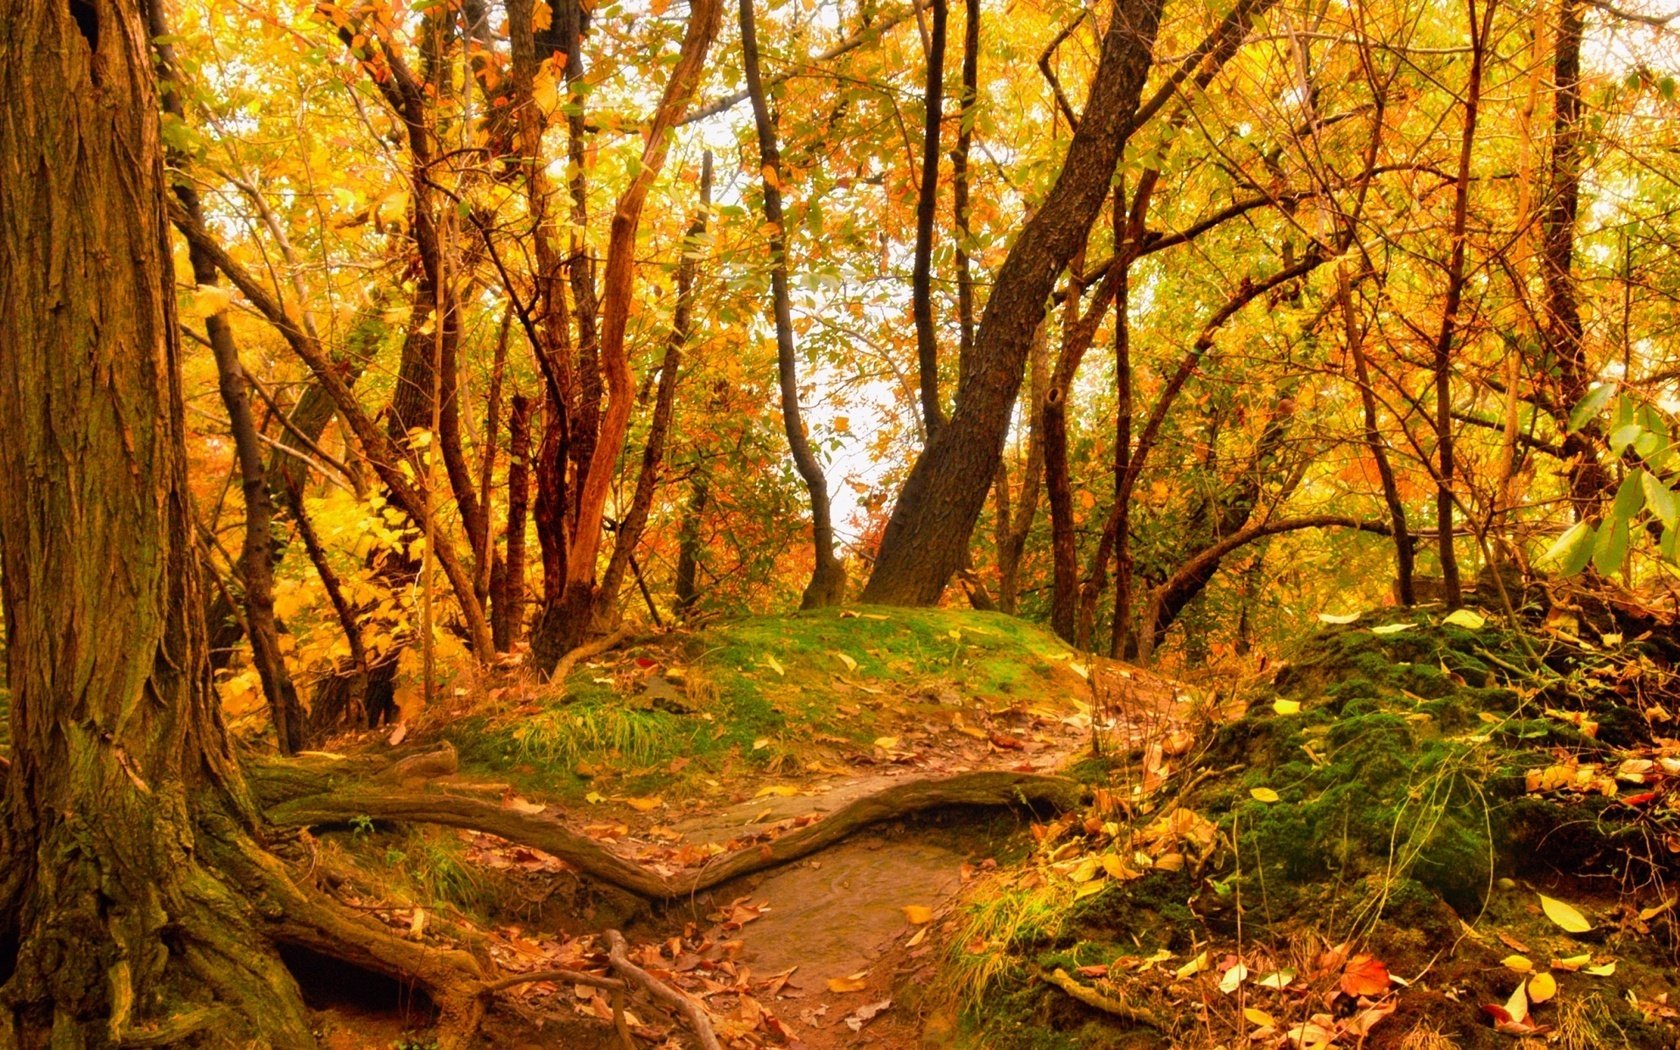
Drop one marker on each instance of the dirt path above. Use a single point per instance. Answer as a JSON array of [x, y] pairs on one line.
[[837, 935]]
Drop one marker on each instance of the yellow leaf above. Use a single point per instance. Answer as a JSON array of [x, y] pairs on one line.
[[771, 178], [784, 790], [1541, 986], [1647, 914], [1088, 889], [761, 743], [1567, 918], [1519, 963], [1259, 1017], [1469, 618], [1087, 870], [1193, 967], [644, 804], [886, 743], [1264, 795], [1573, 963], [918, 914], [774, 664], [855, 983], [851, 664], [1601, 970], [1287, 707]]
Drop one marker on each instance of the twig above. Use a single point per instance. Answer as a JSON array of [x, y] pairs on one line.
[[1094, 998], [698, 1019]]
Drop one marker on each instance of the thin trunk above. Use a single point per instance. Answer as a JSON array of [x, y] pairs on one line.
[[688, 542], [1374, 440], [1017, 525], [630, 528], [828, 577], [564, 625], [959, 188], [927, 202], [1588, 480], [508, 622], [256, 565], [1479, 30]]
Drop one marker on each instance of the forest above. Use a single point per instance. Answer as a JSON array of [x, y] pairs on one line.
[[1010, 524]]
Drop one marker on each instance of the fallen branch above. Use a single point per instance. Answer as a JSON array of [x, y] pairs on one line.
[[549, 834], [698, 1018], [1093, 998]]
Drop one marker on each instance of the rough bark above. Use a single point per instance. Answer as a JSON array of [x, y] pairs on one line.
[[936, 510], [116, 926], [828, 578]]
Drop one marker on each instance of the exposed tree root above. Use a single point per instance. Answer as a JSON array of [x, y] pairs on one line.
[[549, 834], [587, 651], [698, 1018], [1108, 1005]]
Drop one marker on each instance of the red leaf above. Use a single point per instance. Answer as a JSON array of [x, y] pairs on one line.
[[1365, 975]]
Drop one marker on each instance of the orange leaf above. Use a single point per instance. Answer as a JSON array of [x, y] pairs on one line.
[[1365, 975]]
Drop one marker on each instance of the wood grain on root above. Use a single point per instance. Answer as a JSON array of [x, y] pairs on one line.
[[551, 835]]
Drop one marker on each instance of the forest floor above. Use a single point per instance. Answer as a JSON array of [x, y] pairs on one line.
[[1425, 831]]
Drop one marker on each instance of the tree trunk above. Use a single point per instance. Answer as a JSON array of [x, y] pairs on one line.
[[928, 533], [927, 203], [256, 563], [1588, 481], [508, 620], [1374, 441], [118, 924], [828, 577], [1449, 310]]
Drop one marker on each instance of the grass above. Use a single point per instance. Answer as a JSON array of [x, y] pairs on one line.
[[761, 694]]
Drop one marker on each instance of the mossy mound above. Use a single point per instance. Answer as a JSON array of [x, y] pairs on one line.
[[765, 695], [1404, 786]]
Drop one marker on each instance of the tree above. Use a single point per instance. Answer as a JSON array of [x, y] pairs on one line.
[[135, 906], [927, 536], [122, 788]]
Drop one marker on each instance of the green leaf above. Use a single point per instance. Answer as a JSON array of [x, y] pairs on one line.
[[1630, 499], [1623, 436], [1569, 552], [1611, 547], [1591, 405], [1660, 498]]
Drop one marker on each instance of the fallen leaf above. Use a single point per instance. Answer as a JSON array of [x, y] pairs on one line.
[[886, 743], [783, 790], [1278, 979], [1193, 967], [1601, 970], [1264, 795], [1259, 1017], [1467, 618], [1287, 707], [1567, 918], [851, 664], [643, 805], [864, 1014], [1233, 978], [1392, 628], [774, 664], [1516, 1007], [1541, 986], [1519, 963], [1365, 975], [1338, 618], [857, 982], [918, 914]]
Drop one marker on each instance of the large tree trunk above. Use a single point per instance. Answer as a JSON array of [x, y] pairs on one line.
[[927, 536], [118, 752]]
